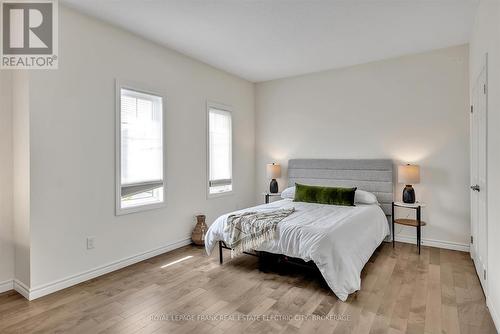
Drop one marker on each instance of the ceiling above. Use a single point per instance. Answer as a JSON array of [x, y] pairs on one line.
[[262, 40]]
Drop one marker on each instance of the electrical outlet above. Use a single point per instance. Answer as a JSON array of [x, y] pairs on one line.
[[90, 242]]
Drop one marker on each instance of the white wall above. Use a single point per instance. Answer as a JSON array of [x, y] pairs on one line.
[[486, 39], [6, 219], [21, 175], [410, 109], [72, 124]]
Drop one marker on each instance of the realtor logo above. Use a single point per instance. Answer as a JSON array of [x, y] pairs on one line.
[[29, 34]]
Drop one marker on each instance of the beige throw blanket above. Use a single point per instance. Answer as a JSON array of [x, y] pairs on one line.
[[249, 230]]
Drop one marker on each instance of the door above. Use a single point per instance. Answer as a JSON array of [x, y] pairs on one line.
[[478, 118]]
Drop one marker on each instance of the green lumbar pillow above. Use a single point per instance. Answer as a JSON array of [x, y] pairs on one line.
[[324, 195]]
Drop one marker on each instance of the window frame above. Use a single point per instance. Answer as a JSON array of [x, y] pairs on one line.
[[140, 88], [229, 109]]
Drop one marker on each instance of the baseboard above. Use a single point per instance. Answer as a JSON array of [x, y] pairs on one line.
[[6, 285], [22, 289], [435, 243], [49, 288], [494, 315]]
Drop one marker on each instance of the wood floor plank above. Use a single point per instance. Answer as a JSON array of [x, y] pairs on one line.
[[433, 303], [401, 292], [449, 309], [418, 306]]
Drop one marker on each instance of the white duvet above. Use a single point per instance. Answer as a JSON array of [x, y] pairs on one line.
[[339, 239]]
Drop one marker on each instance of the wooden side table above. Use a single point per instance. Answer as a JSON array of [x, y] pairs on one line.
[[418, 223], [268, 195]]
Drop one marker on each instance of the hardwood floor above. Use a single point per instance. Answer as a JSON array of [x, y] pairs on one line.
[[402, 292]]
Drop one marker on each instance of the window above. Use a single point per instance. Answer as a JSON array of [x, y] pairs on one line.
[[219, 150], [140, 151]]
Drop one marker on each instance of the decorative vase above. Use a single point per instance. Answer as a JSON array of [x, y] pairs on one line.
[[198, 235], [273, 186], [409, 194]]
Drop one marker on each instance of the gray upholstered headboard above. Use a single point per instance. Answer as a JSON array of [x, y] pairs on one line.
[[373, 175]]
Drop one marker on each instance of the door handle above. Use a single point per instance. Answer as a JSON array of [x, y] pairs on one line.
[[475, 188]]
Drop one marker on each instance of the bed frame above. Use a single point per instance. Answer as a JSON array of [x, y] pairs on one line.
[[373, 175]]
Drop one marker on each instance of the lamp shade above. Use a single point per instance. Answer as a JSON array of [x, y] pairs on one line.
[[273, 171], [409, 174]]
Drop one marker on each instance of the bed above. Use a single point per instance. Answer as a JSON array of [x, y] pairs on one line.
[[338, 239]]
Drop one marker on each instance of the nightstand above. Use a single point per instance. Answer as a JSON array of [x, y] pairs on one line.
[[417, 223], [268, 195]]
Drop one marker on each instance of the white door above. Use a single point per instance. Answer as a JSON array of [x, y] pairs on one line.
[[478, 175]]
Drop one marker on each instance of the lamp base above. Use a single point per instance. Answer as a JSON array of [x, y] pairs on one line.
[[273, 186], [409, 194]]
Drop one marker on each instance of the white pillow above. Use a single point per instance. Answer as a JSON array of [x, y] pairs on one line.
[[288, 193], [365, 197]]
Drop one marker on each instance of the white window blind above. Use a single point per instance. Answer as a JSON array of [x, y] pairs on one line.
[[220, 151], [141, 149]]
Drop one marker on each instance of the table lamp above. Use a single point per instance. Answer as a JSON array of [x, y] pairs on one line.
[[273, 172], [408, 175]]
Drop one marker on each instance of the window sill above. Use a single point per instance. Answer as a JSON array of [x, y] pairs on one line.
[[221, 194], [140, 208]]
